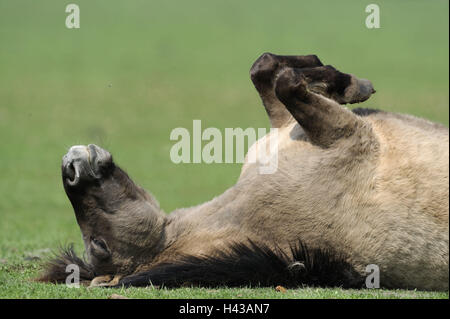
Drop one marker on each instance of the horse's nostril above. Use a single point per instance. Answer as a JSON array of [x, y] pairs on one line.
[[74, 164], [70, 171], [99, 158]]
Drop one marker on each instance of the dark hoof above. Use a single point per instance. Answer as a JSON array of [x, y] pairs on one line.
[[291, 83], [358, 91], [264, 68]]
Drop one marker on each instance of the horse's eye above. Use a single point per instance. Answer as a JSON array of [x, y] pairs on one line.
[[99, 249], [100, 244]]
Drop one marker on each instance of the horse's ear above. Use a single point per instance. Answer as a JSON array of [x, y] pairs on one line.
[[324, 120]]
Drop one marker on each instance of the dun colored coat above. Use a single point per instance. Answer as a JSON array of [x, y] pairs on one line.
[[352, 189]]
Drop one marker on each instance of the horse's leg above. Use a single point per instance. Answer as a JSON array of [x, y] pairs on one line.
[[325, 80]]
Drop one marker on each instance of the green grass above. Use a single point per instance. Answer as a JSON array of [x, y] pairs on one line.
[[137, 69]]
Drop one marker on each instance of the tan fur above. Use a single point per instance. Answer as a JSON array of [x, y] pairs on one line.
[[373, 188], [389, 207]]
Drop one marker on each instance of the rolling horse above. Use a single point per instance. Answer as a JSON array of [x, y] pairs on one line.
[[352, 188]]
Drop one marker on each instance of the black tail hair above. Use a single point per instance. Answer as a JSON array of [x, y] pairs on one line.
[[55, 268], [250, 264]]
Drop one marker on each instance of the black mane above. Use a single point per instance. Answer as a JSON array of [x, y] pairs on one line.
[[250, 264], [361, 111], [55, 268]]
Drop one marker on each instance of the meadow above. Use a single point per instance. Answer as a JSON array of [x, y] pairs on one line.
[[136, 70]]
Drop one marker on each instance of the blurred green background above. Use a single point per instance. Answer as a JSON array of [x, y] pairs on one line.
[[137, 69]]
